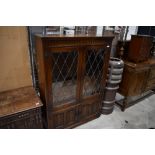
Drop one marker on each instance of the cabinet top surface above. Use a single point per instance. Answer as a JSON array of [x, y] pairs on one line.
[[150, 62], [74, 36], [18, 100], [148, 36]]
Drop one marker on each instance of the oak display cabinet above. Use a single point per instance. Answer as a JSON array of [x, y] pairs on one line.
[[72, 74]]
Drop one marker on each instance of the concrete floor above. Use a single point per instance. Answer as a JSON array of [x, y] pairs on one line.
[[138, 116]]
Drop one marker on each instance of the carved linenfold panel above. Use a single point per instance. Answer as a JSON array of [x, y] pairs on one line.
[[25, 120], [58, 120], [89, 109]]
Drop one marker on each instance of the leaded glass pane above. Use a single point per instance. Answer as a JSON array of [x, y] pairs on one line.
[[64, 73], [94, 72]]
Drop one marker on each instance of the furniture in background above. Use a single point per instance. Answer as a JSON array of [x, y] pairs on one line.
[[122, 49], [139, 49], [139, 74], [135, 50], [72, 74], [137, 82], [52, 30], [83, 30], [114, 78], [20, 109]]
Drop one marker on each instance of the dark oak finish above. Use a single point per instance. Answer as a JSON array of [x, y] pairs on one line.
[[137, 79], [20, 109], [72, 73], [139, 69], [139, 49]]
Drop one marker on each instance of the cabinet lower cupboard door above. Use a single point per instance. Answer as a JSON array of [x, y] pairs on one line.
[[65, 118], [58, 120], [91, 108], [73, 116]]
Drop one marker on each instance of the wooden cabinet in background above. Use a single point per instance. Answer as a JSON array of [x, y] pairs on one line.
[[137, 79], [136, 50], [72, 73], [139, 49]]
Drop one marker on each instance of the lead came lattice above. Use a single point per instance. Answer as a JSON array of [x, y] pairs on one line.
[[94, 72], [64, 73]]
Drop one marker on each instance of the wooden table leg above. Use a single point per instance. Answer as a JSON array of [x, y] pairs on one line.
[[125, 103]]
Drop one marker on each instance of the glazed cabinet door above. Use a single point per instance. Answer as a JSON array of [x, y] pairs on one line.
[[93, 67], [62, 65], [92, 81], [64, 76]]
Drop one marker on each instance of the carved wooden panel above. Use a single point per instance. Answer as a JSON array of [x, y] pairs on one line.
[[75, 42], [66, 117], [91, 107], [72, 116], [58, 120]]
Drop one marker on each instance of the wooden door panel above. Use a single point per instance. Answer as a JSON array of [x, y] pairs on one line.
[[89, 109], [58, 120], [71, 116], [133, 82], [65, 118]]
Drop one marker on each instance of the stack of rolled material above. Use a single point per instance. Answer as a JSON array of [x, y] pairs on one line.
[[114, 78]]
